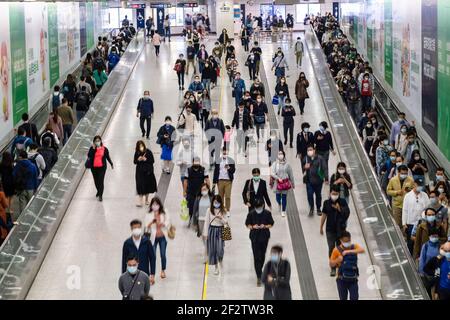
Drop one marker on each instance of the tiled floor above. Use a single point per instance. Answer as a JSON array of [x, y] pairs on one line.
[[91, 235]]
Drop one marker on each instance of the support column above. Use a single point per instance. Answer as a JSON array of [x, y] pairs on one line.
[[225, 17]]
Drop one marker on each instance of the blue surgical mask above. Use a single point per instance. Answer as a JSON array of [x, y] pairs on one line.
[[431, 219], [439, 178], [419, 189], [321, 128], [433, 201], [393, 159], [274, 258], [216, 205], [434, 239], [132, 269], [447, 255], [346, 244]]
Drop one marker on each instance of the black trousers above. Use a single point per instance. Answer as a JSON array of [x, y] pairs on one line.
[[288, 127], [99, 179], [205, 115], [301, 104], [259, 249], [252, 71], [333, 241], [142, 123], [180, 79], [157, 50]]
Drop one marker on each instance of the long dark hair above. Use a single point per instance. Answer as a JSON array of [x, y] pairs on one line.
[[139, 144], [7, 160], [157, 200], [55, 115]]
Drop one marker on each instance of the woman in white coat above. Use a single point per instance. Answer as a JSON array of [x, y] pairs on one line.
[[157, 224]]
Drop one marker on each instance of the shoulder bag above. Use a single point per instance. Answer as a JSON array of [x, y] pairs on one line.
[[127, 296]]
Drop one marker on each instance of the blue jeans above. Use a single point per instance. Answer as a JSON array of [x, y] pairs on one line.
[[312, 189], [282, 199], [347, 287], [238, 98], [207, 84], [80, 115], [167, 33], [281, 103], [162, 249], [67, 128]]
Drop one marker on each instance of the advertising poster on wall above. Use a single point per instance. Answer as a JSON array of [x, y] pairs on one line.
[[429, 67], [90, 25], [83, 35], [53, 50], [444, 77], [378, 37], [36, 21], [18, 61], [5, 72], [69, 35], [388, 46], [407, 53]]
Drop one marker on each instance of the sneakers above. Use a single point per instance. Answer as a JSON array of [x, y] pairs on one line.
[[333, 272], [319, 213], [283, 214], [216, 270], [228, 214]]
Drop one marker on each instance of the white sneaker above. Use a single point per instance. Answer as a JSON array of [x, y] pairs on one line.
[[283, 214], [216, 271], [228, 214]]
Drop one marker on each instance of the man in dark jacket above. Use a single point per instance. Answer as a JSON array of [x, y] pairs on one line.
[[145, 113], [25, 177], [83, 101], [304, 139], [259, 221], [49, 154], [139, 246], [313, 167], [242, 122], [353, 100], [335, 213], [223, 178], [441, 262], [254, 189], [276, 276], [215, 131], [30, 128]]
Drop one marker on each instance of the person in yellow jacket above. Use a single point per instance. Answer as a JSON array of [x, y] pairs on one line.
[[397, 187]]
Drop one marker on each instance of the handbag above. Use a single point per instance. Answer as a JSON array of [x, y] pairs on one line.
[[247, 194], [275, 100], [260, 119], [284, 185], [88, 163], [171, 232], [226, 233], [177, 67]]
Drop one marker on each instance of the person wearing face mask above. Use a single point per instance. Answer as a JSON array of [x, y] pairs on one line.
[[242, 122], [439, 201], [414, 203], [245, 37], [165, 138], [256, 89], [259, 221], [145, 177], [397, 188], [180, 69], [157, 224], [255, 189], [224, 39], [260, 114], [196, 85], [369, 134], [187, 121], [207, 75], [345, 258], [276, 276], [282, 92], [238, 88], [301, 92], [202, 56], [335, 213], [273, 146], [140, 246], [251, 64], [324, 144], [98, 154], [387, 167], [313, 176], [421, 230], [283, 180], [201, 206], [195, 177], [342, 180], [288, 114], [248, 102], [417, 165], [441, 263], [212, 233], [382, 152], [441, 180], [190, 54], [133, 283], [230, 50], [224, 170], [256, 50], [280, 65], [304, 139], [366, 92], [215, 131], [145, 113], [430, 249], [399, 126], [410, 147], [184, 157], [298, 50]]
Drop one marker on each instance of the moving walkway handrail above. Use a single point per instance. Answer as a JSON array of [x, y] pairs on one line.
[[383, 238], [28, 243]]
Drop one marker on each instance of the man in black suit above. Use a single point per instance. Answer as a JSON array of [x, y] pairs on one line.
[[304, 139], [214, 130], [259, 221], [242, 122], [255, 188], [139, 246]]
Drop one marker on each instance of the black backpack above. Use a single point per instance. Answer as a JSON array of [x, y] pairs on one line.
[[21, 177], [83, 101], [98, 63], [47, 154]]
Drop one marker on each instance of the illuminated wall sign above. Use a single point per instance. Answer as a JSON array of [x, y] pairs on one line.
[[187, 5], [137, 6], [160, 5]]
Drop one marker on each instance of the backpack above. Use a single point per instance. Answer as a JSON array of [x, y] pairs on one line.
[[56, 102], [83, 101], [21, 177], [47, 155], [113, 59], [98, 63], [33, 161], [349, 267], [366, 90]]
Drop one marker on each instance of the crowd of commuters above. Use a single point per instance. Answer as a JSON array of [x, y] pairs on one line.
[[418, 199], [32, 155]]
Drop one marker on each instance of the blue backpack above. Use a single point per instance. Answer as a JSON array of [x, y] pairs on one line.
[[349, 267], [56, 101]]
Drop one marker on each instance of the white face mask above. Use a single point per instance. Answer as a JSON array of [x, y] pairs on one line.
[[310, 153], [204, 192], [441, 190], [334, 197], [168, 123], [136, 232], [341, 171], [306, 129], [280, 157], [155, 207]]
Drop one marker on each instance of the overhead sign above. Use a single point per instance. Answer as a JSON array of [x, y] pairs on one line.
[[137, 6], [161, 5], [187, 5], [225, 7]]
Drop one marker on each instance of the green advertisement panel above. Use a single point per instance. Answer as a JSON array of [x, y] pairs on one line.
[[444, 77], [18, 61], [53, 43], [90, 24], [388, 62]]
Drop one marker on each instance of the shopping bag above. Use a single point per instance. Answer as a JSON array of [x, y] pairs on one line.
[[275, 100], [184, 215]]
